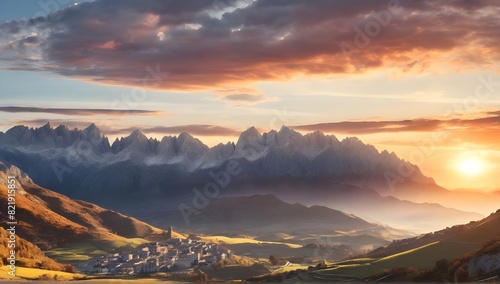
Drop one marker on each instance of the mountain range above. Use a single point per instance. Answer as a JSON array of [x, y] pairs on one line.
[[313, 155], [49, 219], [135, 173], [267, 217]]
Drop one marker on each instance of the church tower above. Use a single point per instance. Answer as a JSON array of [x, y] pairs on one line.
[[169, 233]]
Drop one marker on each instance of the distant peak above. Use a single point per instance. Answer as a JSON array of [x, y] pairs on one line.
[[92, 130], [284, 128], [250, 132], [287, 130], [265, 197], [62, 127], [137, 134], [92, 126], [184, 135], [46, 126], [186, 139], [249, 136]]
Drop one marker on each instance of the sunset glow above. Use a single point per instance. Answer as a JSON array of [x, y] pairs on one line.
[[471, 166]]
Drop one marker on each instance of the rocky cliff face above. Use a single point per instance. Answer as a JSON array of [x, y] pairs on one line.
[[484, 264], [21, 177]]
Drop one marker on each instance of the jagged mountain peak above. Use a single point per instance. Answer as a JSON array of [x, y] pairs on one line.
[[285, 152], [137, 135], [7, 169], [17, 130], [91, 127], [184, 137], [252, 129], [250, 133], [46, 126], [92, 132], [61, 127], [286, 130], [192, 147]]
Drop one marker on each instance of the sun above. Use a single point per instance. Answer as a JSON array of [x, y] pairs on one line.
[[471, 166]]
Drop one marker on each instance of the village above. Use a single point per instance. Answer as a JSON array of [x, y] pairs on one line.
[[173, 254]]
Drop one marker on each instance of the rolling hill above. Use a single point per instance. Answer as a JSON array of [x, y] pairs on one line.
[[475, 233], [468, 242], [482, 265]]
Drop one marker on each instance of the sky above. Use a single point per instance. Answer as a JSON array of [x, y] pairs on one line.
[[420, 78]]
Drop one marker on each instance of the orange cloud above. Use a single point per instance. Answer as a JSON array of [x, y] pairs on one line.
[[265, 40], [487, 125], [78, 111]]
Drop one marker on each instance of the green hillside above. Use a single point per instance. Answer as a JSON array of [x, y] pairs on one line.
[[421, 252]]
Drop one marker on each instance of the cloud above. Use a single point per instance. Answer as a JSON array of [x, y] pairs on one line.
[[193, 129], [245, 99], [77, 111], [489, 121], [242, 96], [209, 44], [369, 127], [43, 121]]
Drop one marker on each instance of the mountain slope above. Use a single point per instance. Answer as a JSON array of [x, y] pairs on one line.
[[367, 204], [48, 219], [268, 218], [475, 233], [27, 254], [433, 257], [268, 210]]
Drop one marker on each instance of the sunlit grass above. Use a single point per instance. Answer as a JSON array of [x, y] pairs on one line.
[[357, 261], [34, 273], [293, 266], [423, 257], [233, 241], [85, 251], [398, 256]]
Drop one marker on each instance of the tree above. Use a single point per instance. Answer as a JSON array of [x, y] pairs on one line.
[[442, 265], [274, 260], [461, 275], [69, 268]]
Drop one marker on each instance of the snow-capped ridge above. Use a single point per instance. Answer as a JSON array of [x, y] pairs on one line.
[[281, 153]]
